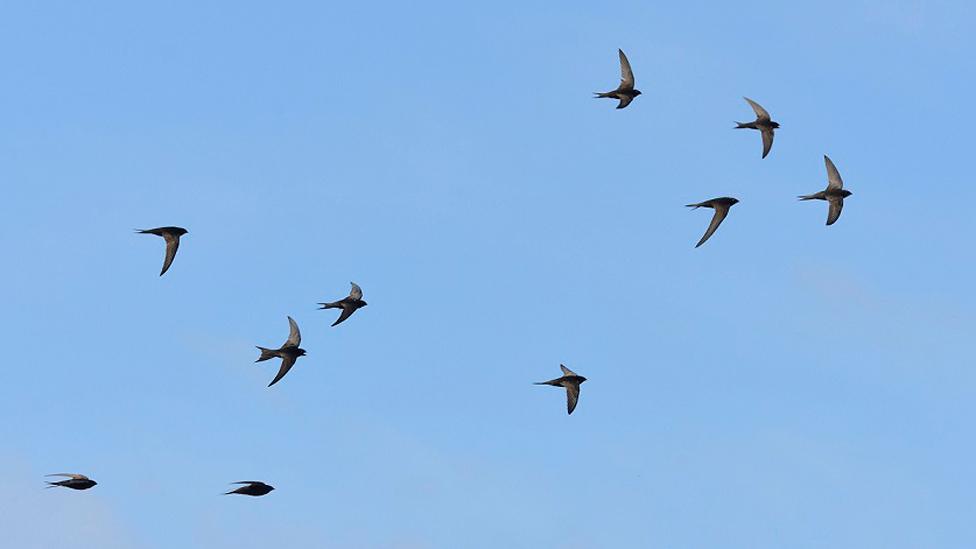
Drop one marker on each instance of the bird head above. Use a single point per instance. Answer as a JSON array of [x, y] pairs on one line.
[[774, 124], [636, 93], [845, 193], [582, 379], [300, 351], [362, 303], [733, 201]]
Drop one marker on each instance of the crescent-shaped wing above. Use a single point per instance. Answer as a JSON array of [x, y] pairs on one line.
[[767, 138], [286, 363], [761, 113], [75, 476], [567, 371], [626, 75], [172, 244], [356, 292], [624, 100], [833, 176], [833, 212], [720, 212], [347, 311], [294, 336], [572, 396]]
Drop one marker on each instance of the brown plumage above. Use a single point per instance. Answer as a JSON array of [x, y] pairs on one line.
[[288, 352], [721, 206], [571, 382], [625, 92], [349, 305], [172, 237]]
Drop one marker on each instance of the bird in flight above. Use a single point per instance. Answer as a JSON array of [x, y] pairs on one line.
[[625, 92], [172, 237], [571, 381], [763, 123], [721, 206], [349, 304], [74, 481], [251, 488], [834, 194], [288, 352]]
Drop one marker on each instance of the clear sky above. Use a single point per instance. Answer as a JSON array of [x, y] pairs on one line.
[[785, 385]]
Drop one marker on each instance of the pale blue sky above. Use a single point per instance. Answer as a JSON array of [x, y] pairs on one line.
[[785, 385]]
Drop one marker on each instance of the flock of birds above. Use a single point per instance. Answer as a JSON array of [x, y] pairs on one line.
[[289, 351]]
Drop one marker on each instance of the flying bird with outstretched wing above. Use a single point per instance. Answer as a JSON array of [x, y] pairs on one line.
[[349, 305], [288, 352], [172, 237], [721, 206], [571, 381], [834, 194], [625, 92], [763, 122]]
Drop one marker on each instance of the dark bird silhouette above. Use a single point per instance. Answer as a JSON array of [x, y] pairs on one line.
[[625, 92], [251, 488], [834, 194], [763, 123], [721, 207], [172, 236], [571, 381], [349, 304], [74, 481], [288, 352]]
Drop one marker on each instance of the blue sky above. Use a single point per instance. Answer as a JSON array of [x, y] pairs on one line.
[[785, 385]]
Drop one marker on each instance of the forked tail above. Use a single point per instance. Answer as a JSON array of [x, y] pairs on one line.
[[265, 354]]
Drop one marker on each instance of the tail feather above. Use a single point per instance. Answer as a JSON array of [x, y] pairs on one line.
[[740, 125], [266, 354], [334, 305]]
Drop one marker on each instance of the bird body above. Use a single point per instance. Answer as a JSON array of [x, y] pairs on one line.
[[172, 237], [571, 382], [721, 206], [763, 123], [834, 194], [251, 488], [74, 481], [288, 352], [625, 92], [349, 305]]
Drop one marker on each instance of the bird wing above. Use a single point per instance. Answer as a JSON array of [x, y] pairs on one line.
[[836, 205], [75, 476], [347, 311], [626, 73], [567, 371], [572, 396], [767, 137], [624, 100], [720, 212], [172, 244], [286, 363], [356, 292], [833, 177], [294, 336], [248, 482], [761, 113]]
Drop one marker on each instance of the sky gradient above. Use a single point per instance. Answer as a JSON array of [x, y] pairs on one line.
[[785, 385]]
